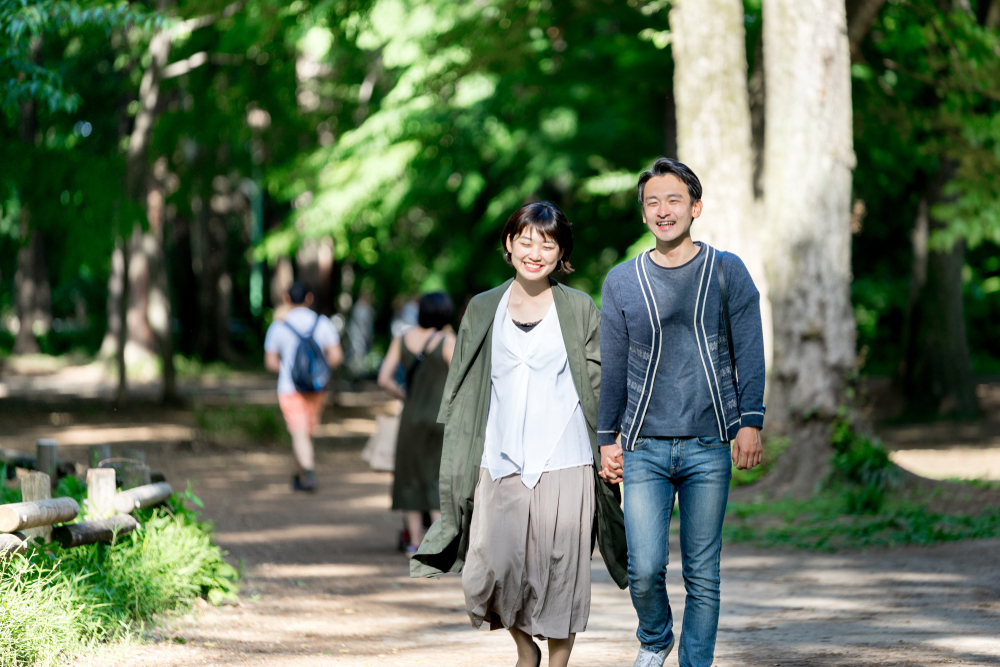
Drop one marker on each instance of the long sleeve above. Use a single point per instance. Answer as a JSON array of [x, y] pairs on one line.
[[614, 367], [748, 341], [454, 370]]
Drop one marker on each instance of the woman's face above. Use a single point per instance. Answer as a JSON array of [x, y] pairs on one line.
[[534, 256]]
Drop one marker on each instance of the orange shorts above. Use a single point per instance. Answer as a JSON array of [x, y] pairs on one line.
[[302, 411]]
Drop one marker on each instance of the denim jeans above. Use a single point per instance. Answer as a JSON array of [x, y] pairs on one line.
[[698, 470]]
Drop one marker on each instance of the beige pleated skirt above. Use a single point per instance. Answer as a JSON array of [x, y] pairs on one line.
[[528, 563]]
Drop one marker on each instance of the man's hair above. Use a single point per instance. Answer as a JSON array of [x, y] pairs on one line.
[[664, 166], [436, 310], [546, 219], [297, 292]]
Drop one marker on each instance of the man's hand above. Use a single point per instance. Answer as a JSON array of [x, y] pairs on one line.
[[747, 448], [611, 463]]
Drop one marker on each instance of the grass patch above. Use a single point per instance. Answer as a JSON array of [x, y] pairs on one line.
[[242, 424], [56, 603], [861, 505]]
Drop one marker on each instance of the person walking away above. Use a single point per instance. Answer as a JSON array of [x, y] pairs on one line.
[[683, 354], [424, 352], [301, 402], [519, 489]]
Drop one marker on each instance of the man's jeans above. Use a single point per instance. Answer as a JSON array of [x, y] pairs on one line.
[[698, 470]]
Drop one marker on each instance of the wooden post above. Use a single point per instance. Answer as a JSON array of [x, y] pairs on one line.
[[141, 497], [37, 486], [37, 514], [101, 492], [48, 459], [135, 474], [99, 453]]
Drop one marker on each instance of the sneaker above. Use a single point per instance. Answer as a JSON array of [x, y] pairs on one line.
[[304, 482], [650, 659]]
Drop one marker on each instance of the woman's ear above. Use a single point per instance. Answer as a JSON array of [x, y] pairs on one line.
[[508, 245]]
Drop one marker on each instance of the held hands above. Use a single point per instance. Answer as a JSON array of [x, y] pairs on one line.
[[747, 448], [747, 453], [611, 463]]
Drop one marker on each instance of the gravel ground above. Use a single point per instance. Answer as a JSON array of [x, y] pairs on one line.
[[324, 586]]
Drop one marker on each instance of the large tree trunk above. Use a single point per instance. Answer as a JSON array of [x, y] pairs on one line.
[[936, 371], [139, 345], [215, 288], [714, 131], [808, 161], [116, 289], [149, 311], [31, 283]]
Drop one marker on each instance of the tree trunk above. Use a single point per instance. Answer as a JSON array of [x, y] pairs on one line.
[[31, 282], [185, 283], [936, 371], [149, 309], [116, 287], [808, 161], [139, 344], [158, 313], [215, 288], [714, 130], [122, 393]]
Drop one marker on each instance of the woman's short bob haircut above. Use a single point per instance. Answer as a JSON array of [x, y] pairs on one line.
[[546, 219], [436, 310]]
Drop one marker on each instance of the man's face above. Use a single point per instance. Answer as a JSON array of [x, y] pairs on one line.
[[667, 208]]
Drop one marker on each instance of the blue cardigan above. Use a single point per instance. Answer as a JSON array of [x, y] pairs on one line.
[[632, 343]]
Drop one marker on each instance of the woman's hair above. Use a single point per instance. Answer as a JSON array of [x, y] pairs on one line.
[[546, 219], [436, 310]]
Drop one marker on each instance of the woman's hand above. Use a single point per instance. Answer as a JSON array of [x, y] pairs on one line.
[[611, 464]]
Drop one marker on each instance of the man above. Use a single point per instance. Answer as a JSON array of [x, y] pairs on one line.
[[302, 410], [669, 400]]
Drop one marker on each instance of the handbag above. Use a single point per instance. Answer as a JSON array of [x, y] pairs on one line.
[[380, 450]]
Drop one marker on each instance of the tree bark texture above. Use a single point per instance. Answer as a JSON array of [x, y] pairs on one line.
[[139, 347], [714, 130], [158, 313], [149, 311], [34, 297], [936, 372], [808, 161], [116, 287]]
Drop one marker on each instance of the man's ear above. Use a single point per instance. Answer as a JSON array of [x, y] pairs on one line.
[[308, 300], [696, 209]]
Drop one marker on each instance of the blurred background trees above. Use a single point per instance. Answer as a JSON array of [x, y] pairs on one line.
[[167, 168]]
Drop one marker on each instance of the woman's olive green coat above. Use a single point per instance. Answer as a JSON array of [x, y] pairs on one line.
[[464, 408]]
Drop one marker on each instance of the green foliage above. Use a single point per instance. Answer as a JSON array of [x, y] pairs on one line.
[[856, 508], [478, 108], [820, 523], [56, 603], [242, 424], [23, 25]]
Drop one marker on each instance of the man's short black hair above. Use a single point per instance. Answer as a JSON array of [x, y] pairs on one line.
[[665, 166], [297, 292], [436, 310]]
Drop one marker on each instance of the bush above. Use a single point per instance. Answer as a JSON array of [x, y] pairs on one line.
[[55, 603], [240, 424], [855, 508]]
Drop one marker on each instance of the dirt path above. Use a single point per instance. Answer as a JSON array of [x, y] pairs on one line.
[[324, 586]]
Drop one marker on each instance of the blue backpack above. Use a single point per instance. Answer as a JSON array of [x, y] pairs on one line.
[[310, 372]]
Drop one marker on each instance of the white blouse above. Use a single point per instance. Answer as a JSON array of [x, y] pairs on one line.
[[535, 422]]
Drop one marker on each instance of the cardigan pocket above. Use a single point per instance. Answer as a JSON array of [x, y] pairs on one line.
[[639, 360]]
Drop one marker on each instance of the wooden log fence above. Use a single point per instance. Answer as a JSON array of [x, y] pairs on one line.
[[108, 510]]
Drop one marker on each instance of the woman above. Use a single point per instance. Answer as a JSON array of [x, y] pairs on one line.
[[425, 353], [519, 410]]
